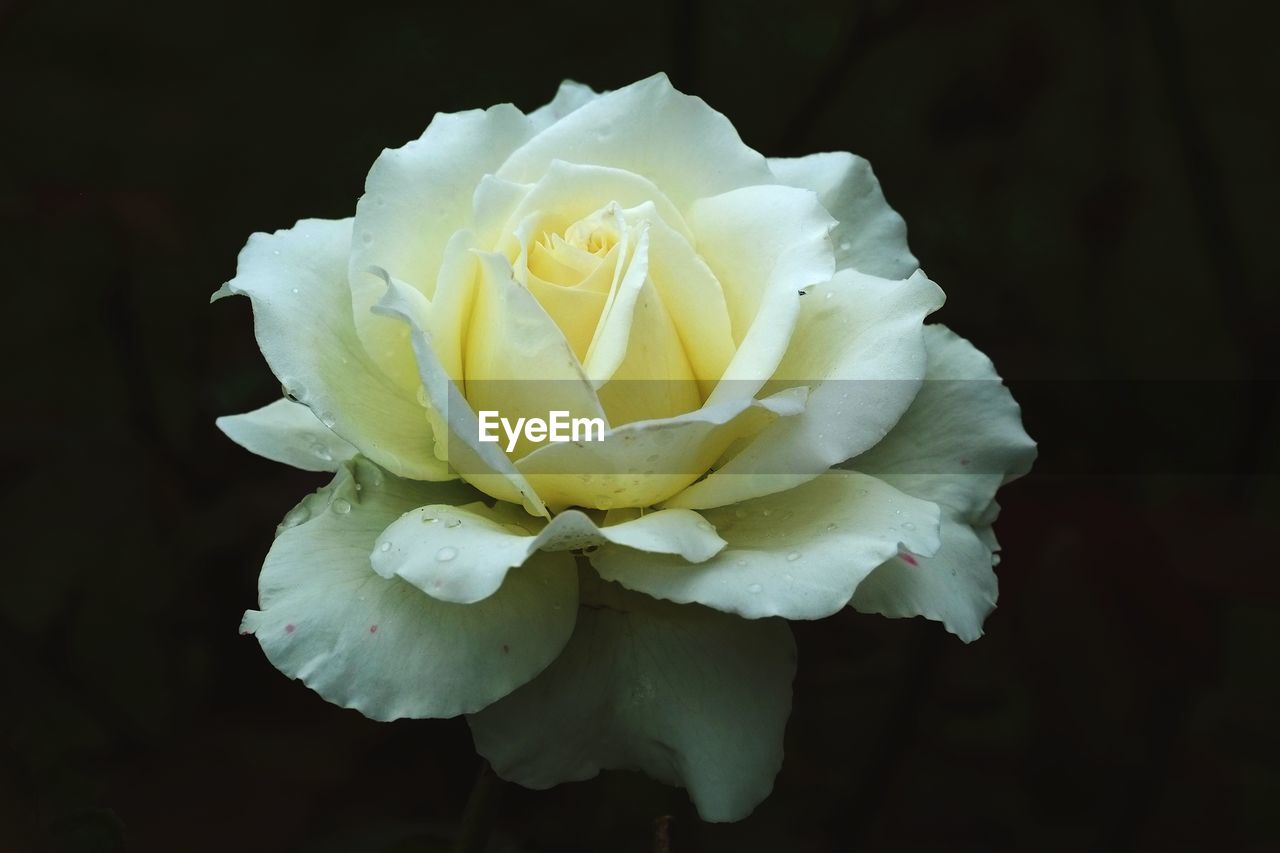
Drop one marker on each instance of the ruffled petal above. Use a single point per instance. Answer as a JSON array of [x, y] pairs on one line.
[[799, 554], [871, 237], [297, 282], [462, 554], [381, 646], [675, 140], [956, 586], [961, 439]]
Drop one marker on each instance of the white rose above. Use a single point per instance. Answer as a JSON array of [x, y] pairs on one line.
[[785, 437]]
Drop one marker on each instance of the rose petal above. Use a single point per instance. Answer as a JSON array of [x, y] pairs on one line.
[[481, 545], [871, 237], [688, 695], [381, 646], [799, 554], [288, 432], [297, 282], [859, 345]]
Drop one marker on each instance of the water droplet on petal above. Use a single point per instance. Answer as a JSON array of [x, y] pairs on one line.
[[906, 525], [829, 295], [766, 512], [341, 506], [384, 547], [453, 522], [755, 588], [793, 556], [831, 526], [446, 554]]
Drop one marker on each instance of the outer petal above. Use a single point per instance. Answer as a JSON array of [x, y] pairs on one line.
[[961, 439], [798, 554], [688, 695], [297, 281], [381, 646], [860, 346], [288, 432], [570, 96], [677, 141], [955, 586], [462, 554], [871, 236], [415, 198]]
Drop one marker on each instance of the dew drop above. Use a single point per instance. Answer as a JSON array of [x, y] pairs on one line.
[[829, 295], [755, 588], [294, 291], [906, 525], [384, 547], [453, 522], [831, 526], [793, 556], [766, 512], [446, 554], [341, 506]]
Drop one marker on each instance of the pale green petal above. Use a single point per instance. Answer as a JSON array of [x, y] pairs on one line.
[[959, 442], [297, 282], [381, 646], [859, 345], [956, 586], [798, 554], [570, 96], [288, 432], [690, 696], [962, 437], [675, 140], [462, 554], [482, 464], [871, 236]]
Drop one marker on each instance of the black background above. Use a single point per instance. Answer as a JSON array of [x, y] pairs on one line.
[[1092, 183]]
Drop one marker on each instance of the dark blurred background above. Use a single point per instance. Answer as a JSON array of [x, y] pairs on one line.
[[1093, 183]]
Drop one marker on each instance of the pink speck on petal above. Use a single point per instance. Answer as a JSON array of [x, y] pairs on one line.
[[288, 629], [373, 629], [908, 558]]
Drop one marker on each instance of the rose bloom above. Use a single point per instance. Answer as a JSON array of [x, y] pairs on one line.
[[785, 437]]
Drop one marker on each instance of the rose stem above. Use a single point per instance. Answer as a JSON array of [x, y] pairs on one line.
[[480, 812]]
